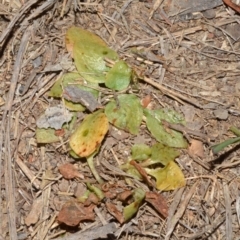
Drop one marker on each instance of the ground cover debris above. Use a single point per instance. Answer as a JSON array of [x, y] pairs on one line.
[[119, 119]]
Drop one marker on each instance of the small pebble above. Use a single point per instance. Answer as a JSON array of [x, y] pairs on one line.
[[221, 114]]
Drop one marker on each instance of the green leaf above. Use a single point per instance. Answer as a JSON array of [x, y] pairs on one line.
[[235, 130], [132, 208], [126, 116], [96, 190], [68, 78], [46, 135], [84, 197], [119, 76], [141, 152], [168, 178], [219, 147], [89, 52], [171, 137], [88, 136], [92, 167]]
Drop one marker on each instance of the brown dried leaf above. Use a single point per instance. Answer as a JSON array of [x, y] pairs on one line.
[[196, 149], [60, 132], [115, 212], [77, 95], [92, 198], [158, 202], [123, 196], [72, 213], [146, 101], [69, 171]]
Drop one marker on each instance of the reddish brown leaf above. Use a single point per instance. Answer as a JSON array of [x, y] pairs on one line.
[[115, 212], [158, 202], [92, 198], [69, 171], [146, 100], [60, 132], [73, 213], [109, 192], [124, 195], [196, 149], [110, 195]]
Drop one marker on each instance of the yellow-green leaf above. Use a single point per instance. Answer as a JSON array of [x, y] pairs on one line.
[[128, 115], [168, 178], [89, 135], [141, 152], [89, 52], [132, 208], [119, 76], [46, 135], [162, 154], [96, 190]]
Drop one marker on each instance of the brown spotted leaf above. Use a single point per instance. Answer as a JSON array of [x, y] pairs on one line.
[[88, 136], [158, 202]]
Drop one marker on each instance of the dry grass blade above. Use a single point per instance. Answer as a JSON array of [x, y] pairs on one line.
[[238, 208], [103, 231], [229, 217]]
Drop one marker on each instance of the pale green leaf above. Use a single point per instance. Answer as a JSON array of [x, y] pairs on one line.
[[46, 135], [167, 137], [68, 78], [131, 170], [96, 190], [89, 52], [141, 152]]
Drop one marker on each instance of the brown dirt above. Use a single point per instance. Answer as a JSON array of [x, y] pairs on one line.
[[195, 68]]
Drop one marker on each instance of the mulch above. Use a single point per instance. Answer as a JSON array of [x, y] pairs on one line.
[[189, 62]]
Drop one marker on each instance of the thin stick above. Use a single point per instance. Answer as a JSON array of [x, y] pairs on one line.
[[16, 17], [170, 92]]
